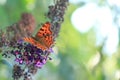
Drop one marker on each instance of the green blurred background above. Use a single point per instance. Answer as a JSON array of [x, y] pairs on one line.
[[76, 55]]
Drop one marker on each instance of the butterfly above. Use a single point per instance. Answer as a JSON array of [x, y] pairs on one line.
[[43, 38]]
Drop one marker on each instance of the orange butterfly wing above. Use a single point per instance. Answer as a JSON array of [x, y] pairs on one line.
[[43, 39]]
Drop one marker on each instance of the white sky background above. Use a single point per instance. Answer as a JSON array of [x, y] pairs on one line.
[[101, 18]]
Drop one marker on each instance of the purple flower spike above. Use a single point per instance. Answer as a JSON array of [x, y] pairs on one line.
[[29, 54], [51, 50], [44, 61], [39, 64], [17, 60], [20, 61], [16, 52]]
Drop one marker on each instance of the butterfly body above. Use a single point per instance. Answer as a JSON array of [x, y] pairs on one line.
[[43, 39]]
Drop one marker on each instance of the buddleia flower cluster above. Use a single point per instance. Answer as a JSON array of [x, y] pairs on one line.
[[27, 57], [56, 15]]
